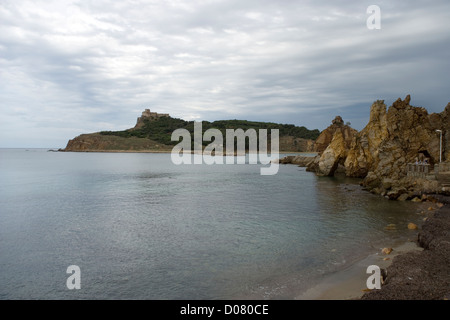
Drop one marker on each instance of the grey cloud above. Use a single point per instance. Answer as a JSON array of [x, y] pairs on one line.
[[95, 65]]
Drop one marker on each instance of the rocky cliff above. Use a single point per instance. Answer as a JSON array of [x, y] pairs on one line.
[[326, 136], [380, 153], [393, 138], [96, 142], [332, 144]]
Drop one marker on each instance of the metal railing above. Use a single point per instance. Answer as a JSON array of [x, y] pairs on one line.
[[417, 170]]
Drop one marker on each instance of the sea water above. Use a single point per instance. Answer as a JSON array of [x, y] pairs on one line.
[[140, 227]]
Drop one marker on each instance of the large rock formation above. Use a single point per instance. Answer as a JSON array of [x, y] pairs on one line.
[[365, 147], [333, 156], [326, 136], [333, 145], [381, 151], [391, 140]]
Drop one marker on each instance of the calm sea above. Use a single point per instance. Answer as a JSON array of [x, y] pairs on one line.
[[140, 227]]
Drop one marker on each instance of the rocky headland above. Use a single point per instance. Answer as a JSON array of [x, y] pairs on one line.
[[397, 154], [394, 138], [152, 133]]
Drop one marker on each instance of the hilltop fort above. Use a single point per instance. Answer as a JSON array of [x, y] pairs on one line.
[[148, 115]]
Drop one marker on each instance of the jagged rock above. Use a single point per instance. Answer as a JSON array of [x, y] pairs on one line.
[[312, 166], [333, 154], [326, 136], [392, 139], [365, 146], [338, 121], [387, 183], [396, 193], [372, 181], [403, 197], [332, 145]]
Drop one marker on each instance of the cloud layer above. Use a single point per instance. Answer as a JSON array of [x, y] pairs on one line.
[[70, 67]]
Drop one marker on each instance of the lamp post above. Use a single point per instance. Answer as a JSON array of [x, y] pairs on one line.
[[440, 145]]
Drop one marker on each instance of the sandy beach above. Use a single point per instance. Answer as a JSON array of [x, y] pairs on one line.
[[423, 275], [416, 269], [350, 283]]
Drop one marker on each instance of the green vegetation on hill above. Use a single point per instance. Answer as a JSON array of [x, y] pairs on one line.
[[161, 129]]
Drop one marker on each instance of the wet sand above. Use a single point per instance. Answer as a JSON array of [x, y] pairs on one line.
[[417, 269], [421, 275], [350, 283]]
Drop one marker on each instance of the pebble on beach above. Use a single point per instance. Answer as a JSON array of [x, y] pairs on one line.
[[386, 250], [412, 226]]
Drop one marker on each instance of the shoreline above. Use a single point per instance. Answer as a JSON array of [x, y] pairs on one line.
[[116, 151], [422, 275], [350, 282], [160, 151]]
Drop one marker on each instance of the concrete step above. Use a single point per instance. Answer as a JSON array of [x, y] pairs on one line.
[[443, 176]]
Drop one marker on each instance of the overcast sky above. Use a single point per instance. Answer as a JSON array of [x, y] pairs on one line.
[[71, 67]]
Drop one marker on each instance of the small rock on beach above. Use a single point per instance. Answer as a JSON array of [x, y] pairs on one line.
[[412, 226]]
